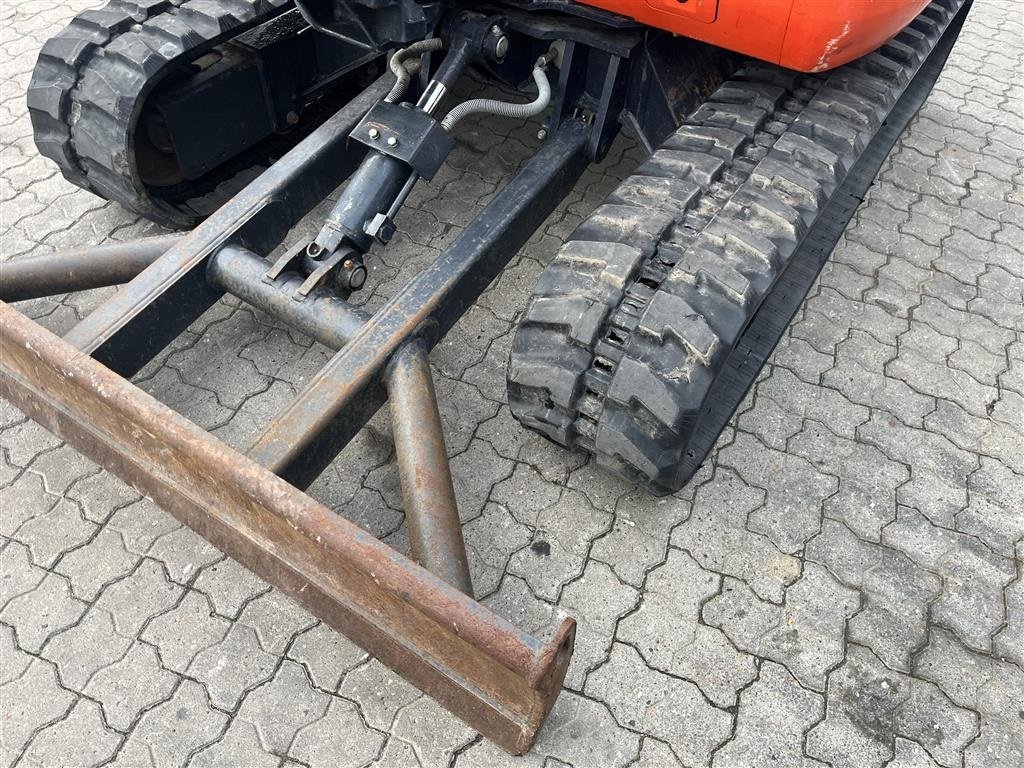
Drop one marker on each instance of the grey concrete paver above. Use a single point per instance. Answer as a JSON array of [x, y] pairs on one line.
[[842, 584]]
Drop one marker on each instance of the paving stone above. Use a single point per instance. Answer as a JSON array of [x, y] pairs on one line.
[[141, 524], [666, 632], [808, 640], [656, 754], [596, 600], [232, 667], [795, 491], [580, 731], [85, 648], [23, 442], [434, 733], [491, 539], [1008, 643], [276, 619], [866, 497], [339, 739], [715, 535], [911, 755], [846, 557], [18, 574], [100, 495], [144, 593], [41, 613], [971, 601], [31, 701], [130, 685], [774, 713], [993, 508], [169, 733], [239, 747], [92, 566], [327, 655], [183, 552], [61, 468], [79, 739], [50, 534], [863, 697], [560, 544], [893, 619], [999, 743], [229, 586], [283, 706], [398, 754], [741, 614], [16, 661], [474, 473], [184, 631], [22, 501], [668, 708], [933, 721], [378, 692]]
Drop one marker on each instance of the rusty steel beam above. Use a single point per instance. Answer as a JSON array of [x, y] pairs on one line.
[[498, 679], [80, 269]]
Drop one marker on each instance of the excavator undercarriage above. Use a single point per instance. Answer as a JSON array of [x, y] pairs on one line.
[[236, 118]]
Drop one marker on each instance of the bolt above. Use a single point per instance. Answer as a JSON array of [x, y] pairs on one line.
[[501, 48], [496, 31], [292, 118], [392, 141], [542, 134], [374, 134]]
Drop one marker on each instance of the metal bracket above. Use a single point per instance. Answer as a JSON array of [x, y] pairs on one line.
[[408, 134]]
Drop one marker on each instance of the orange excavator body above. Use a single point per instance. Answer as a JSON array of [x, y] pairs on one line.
[[807, 35]]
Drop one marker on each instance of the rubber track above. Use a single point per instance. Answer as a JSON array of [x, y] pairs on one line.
[[91, 79], [650, 325]]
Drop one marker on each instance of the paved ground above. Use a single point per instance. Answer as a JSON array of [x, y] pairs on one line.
[[841, 585]]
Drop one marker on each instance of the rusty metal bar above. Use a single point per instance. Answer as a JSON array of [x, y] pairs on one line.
[[336, 403], [498, 679], [153, 309], [431, 511], [80, 269]]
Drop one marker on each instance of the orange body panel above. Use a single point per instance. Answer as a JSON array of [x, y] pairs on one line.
[[808, 35]]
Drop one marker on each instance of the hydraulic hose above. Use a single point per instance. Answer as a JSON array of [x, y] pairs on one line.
[[507, 108], [403, 72]]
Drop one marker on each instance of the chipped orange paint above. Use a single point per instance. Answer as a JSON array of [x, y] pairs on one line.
[[808, 35]]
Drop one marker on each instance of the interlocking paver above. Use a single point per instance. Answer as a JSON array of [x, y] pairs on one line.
[[856, 538], [130, 685], [774, 713], [80, 739], [170, 732], [87, 647]]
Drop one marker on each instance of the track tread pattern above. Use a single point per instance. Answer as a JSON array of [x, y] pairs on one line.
[[91, 78], [704, 229]]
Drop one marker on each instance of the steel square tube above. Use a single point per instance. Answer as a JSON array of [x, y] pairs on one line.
[[306, 436], [152, 310], [497, 678]]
